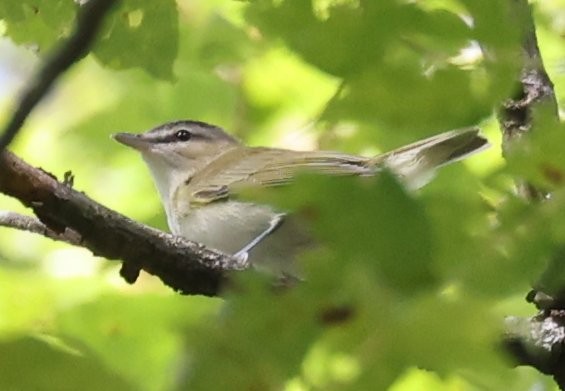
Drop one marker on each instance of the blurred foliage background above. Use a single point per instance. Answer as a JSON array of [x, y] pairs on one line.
[[409, 291]]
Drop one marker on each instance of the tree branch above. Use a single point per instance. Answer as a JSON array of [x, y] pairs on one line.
[[181, 264], [88, 22], [34, 225], [537, 341], [533, 91], [71, 216]]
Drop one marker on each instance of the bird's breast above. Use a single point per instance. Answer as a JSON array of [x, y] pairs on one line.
[[225, 225]]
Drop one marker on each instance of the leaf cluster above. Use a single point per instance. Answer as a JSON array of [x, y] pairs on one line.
[[407, 291]]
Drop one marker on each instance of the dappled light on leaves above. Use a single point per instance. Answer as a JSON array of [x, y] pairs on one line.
[[402, 290]]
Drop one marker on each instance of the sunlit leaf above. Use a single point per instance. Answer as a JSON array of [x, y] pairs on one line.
[[37, 23], [141, 34]]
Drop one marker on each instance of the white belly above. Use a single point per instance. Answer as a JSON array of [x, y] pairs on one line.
[[226, 226]]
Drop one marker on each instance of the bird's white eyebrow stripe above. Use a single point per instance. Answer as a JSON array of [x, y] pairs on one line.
[[201, 130]]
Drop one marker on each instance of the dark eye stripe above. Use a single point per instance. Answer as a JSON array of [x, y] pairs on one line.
[[172, 138]]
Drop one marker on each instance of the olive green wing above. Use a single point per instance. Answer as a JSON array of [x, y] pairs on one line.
[[255, 167], [415, 164]]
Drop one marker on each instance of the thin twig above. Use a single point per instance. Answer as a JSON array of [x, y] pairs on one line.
[[34, 225], [88, 22]]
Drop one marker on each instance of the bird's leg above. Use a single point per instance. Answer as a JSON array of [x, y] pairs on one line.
[[275, 223]]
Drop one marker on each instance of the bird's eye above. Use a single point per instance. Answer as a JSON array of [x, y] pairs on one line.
[[183, 135]]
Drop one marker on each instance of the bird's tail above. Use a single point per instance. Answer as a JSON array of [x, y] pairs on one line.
[[416, 163]]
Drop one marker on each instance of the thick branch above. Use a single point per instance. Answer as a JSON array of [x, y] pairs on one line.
[[183, 265], [537, 341], [88, 22], [534, 90]]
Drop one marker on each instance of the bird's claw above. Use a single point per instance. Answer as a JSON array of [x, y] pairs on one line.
[[241, 258]]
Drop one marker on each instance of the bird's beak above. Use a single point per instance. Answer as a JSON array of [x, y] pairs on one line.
[[135, 141]]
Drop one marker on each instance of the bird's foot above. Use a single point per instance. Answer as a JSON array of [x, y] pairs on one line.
[[241, 258]]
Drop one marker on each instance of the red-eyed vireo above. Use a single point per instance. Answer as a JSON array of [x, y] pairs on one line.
[[198, 169]]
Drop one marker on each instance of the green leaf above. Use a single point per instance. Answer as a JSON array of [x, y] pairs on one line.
[[383, 225], [258, 343], [32, 364], [396, 58], [142, 341], [372, 223], [141, 34], [351, 38], [402, 98], [37, 22], [537, 156]]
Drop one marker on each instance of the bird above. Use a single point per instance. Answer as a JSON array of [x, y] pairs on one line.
[[199, 170]]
